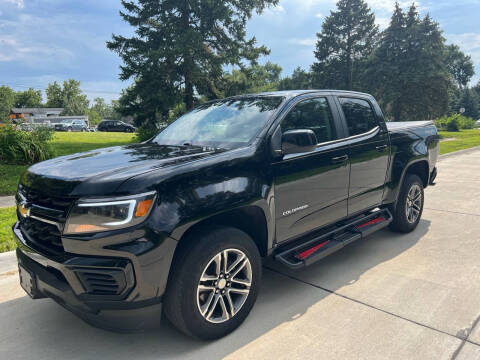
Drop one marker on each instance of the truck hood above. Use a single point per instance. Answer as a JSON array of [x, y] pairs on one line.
[[100, 172]]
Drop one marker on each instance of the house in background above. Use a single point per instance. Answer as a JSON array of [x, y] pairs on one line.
[[42, 116]]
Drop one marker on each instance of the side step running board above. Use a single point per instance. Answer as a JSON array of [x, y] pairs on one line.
[[313, 250]]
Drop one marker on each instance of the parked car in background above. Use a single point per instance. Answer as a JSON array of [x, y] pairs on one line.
[[478, 123], [71, 125], [115, 126]]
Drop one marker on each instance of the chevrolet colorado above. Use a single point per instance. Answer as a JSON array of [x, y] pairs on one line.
[[179, 224]]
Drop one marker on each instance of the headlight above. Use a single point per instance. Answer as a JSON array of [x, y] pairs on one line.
[[91, 216]]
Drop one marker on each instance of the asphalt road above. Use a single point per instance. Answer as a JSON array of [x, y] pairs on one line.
[[414, 296]]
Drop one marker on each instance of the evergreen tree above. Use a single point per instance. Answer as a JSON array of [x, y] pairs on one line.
[[408, 71], [180, 48], [470, 103], [253, 79], [300, 80], [347, 39]]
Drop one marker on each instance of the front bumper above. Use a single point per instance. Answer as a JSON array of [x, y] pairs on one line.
[[83, 284]]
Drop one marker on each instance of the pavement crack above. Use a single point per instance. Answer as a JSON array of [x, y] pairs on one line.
[[452, 212], [465, 333], [374, 307]]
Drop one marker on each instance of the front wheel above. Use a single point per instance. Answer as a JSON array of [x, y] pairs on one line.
[[409, 209], [214, 283]]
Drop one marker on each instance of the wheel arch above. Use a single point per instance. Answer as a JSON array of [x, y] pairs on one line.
[[249, 219], [419, 168]]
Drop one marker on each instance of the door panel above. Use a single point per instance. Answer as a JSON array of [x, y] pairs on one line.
[[310, 191], [369, 162], [369, 153]]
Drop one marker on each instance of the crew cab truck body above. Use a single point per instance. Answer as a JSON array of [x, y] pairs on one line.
[[183, 220]]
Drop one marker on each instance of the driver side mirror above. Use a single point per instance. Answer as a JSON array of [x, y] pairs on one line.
[[298, 141]]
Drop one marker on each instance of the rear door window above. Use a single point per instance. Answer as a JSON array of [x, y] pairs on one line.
[[359, 115]]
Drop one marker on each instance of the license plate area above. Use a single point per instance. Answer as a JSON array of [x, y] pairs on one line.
[[28, 282]]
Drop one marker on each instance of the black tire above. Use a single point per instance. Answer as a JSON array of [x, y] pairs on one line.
[[182, 304], [401, 221], [69, 129]]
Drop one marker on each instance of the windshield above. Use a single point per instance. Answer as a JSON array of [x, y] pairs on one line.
[[66, 121], [225, 123]]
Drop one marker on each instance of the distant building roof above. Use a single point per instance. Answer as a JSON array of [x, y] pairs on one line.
[[37, 111]]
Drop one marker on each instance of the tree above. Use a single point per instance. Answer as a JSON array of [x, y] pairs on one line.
[[407, 71], [69, 97], [253, 79], [459, 65], [180, 48], [28, 99], [347, 39], [74, 101], [470, 103], [54, 95], [299, 80], [7, 102], [94, 118], [104, 110]]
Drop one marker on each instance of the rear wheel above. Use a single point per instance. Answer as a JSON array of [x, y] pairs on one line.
[[409, 209], [214, 283], [69, 129]]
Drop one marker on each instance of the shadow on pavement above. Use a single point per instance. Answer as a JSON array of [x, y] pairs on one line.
[[43, 330]]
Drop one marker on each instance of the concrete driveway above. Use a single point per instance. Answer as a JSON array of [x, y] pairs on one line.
[[414, 296]]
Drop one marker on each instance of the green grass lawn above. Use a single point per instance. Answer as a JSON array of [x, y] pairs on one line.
[[7, 219], [64, 144], [463, 139]]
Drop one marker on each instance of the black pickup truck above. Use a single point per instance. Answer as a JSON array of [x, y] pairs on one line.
[[179, 224]]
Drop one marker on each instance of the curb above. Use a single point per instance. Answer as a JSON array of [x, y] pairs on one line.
[[459, 152], [7, 201], [8, 262]]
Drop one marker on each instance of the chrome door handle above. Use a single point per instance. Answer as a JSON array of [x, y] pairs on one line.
[[382, 148], [340, 159]]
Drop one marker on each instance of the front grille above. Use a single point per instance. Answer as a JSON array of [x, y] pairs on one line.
[[42, 236], [102, 282], [42, 229]]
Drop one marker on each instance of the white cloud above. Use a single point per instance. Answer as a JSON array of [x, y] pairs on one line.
[[468, 43], [18, 3], [383, 22], [303, 41], [279, 9], [319, 15], [389, 5]]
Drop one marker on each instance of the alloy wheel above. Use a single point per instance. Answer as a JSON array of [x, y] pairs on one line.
[[224, 286], [414, 203]]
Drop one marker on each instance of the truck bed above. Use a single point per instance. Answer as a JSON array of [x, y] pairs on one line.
[[403, 125]]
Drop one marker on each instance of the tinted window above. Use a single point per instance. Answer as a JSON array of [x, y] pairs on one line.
[[225, 123], [313, 114], [359, 115]]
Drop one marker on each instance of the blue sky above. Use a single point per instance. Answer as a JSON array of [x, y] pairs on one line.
[[46, 40]]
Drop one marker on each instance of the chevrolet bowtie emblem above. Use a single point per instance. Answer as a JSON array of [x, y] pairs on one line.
[[23, 210]]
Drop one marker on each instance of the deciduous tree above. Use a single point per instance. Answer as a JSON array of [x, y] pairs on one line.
[[7, 102], [29, 98]]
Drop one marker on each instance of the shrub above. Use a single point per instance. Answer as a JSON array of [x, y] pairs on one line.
[[455, 123], [146, 132], [25, 147], [466, 122]]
